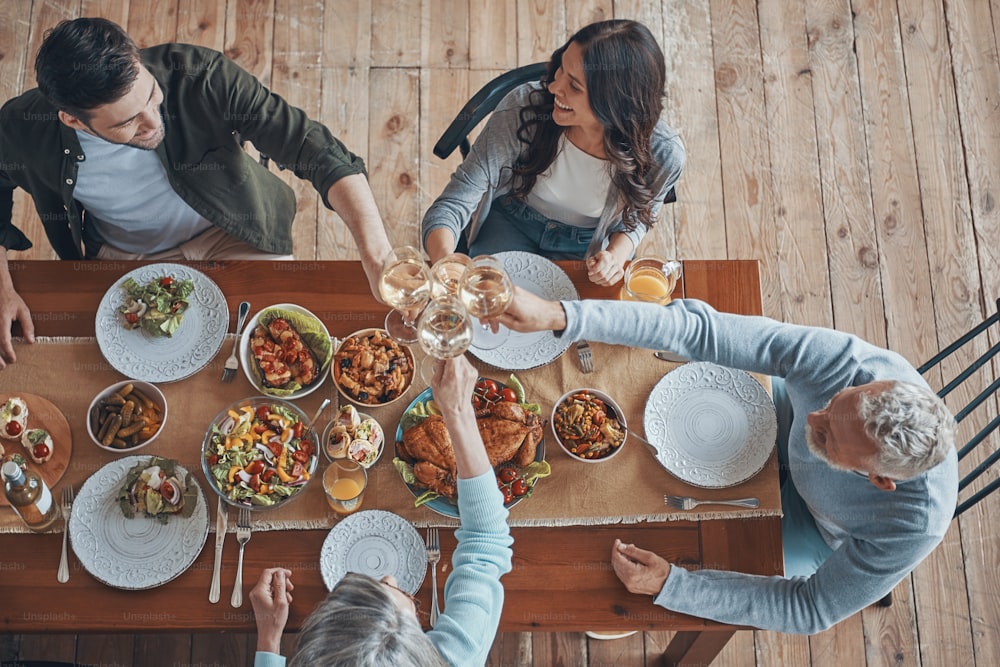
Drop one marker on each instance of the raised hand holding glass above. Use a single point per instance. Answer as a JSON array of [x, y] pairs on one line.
[[405, 285], [486, 290]]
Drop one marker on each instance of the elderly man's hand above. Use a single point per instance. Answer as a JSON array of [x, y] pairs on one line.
[[12, 309], [641, 571], [528, 312], [270, 599]]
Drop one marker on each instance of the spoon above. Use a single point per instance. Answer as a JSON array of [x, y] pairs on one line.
[[621, 420]]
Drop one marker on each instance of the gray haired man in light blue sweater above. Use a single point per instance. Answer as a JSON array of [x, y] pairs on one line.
[[872, 470]]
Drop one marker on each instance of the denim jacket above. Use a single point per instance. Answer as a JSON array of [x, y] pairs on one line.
[[209, 105], [486, 174]]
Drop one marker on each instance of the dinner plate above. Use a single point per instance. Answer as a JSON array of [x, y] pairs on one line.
[[447, 506], [249, 363], [712, 426], [542, 277], [376, 543], [42, 414], [132, 554], [140, 356]]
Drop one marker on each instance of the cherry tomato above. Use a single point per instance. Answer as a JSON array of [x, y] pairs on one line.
[[131, 318], [508, 496], [500, 482], [508, 475], [255, 467], [307, 447], [268, 475], [300, 456], [519, 487], [508, 395], [298, 469], [488, 389], [477, 402], [167, 491], [262, 412], [13, 429], [166, 281], [260, 428], [41, 450], [276, 448], [255, 483], [213, 459], [297, 430]]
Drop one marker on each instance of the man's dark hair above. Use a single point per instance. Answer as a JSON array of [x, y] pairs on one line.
[[86, 63]]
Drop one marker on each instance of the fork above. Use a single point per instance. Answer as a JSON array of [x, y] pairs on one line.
[[689, 503], [433, 556], [242, 536], [586, 356], [62, 574], [233, 363]]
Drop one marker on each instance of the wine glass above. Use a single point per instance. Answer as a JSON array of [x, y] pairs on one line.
[[405, 285], [486, 291], [444, 330], [446, 273]]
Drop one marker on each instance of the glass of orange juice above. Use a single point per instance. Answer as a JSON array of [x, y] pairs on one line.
[[650, 279], [344, 481]]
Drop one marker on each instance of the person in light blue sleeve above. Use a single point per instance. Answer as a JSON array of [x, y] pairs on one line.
[[872, 473], [364, 622]]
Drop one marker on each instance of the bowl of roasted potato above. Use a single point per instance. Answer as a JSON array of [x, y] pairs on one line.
[[126, 416], [370, 368]]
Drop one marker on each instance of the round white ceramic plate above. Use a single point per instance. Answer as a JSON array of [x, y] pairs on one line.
[[376, 543], [540, 276], [138, 553], [712, 426], [246, 354], [140, 356]]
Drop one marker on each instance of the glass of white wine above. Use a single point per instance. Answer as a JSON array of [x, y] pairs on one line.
[[405, 285], [486, 291], [444, 330], [446, 273]]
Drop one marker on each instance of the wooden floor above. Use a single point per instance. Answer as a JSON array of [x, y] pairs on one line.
[[853, 147]]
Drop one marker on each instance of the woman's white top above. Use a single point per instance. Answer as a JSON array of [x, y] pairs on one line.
[[574, 189]]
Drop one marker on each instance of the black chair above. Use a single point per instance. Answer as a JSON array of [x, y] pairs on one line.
[[981, 329], [483, 103]]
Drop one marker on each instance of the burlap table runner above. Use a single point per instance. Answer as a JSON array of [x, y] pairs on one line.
[[627, 489]]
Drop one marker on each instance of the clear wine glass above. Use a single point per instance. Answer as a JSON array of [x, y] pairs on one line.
[[444, 330], [405, 285], [486, 291], [446, 273]]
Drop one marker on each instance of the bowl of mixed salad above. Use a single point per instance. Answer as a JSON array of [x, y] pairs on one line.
[[260, 452]]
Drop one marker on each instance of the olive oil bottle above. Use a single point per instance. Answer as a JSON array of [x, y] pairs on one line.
[[29, 496]]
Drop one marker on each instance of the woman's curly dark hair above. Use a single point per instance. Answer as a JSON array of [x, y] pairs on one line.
[[626, 75]]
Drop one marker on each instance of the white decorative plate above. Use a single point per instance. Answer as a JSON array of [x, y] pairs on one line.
[[712, 426], [540, 276], [140, 356], [137, 553], [376, 543]]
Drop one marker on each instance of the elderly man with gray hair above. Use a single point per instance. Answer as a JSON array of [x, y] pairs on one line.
[[867, 453]]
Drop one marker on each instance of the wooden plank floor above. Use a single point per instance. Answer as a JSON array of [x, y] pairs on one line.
[[852, 146]]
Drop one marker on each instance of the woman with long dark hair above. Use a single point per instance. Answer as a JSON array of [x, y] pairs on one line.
[[575, 166]]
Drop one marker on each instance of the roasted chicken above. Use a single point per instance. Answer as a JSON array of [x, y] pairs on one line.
[[510, 434]]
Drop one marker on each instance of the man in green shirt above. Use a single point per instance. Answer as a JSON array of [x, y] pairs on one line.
[[136, 154]]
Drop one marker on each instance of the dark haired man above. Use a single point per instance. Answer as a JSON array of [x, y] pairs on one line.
[[135, 154]]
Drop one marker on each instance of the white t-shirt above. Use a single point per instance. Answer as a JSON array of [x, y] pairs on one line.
[[574, 188], [127, 190]]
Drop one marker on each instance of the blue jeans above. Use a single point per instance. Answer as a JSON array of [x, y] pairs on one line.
[[513, 225], [803, 547]]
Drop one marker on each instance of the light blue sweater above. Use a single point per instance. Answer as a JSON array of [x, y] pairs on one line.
[[485, 175], [473, 594], [878, 537]]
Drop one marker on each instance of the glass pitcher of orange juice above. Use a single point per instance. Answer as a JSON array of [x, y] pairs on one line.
[[650, 279]]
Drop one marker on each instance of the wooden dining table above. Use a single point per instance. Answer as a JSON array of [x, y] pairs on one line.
[[561, 578]]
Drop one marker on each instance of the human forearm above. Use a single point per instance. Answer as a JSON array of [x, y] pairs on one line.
[[470, 454], [352, 199], [439, 242]]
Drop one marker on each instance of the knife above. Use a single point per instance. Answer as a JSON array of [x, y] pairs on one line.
[[220, 538]]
